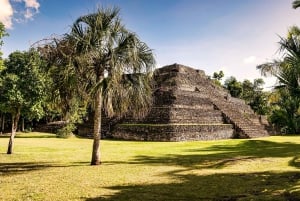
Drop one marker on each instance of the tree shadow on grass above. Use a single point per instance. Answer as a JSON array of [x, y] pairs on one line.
[[219, 156], [218, 186], [215, 187], [37, 136], [7, 169], [18, 168], [7, 135]]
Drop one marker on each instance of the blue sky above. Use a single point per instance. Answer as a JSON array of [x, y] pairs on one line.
[[212, 35]]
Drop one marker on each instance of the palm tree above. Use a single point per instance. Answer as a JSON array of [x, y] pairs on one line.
[[113, 66], [296, 4], [287, 70]]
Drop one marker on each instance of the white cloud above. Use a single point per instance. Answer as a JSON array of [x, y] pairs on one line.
[[32, 4], [246, 40], [32, 8], [249, 60], [28, 14], [6, 13], [14, 11]]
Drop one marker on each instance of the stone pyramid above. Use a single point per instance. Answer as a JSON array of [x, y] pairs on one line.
[[189, 106]]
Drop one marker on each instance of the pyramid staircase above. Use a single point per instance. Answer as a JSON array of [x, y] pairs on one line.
[[246, 123], [244, 126]]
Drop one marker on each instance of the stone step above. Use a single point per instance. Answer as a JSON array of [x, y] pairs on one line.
[[246, 126], [173, 132], [178, 120]]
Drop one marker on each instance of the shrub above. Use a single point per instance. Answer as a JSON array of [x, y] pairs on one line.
[[66, 131]]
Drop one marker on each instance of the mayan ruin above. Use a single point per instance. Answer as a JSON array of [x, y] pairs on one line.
[[187, 106]]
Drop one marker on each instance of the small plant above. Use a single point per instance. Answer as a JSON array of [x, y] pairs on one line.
[[28, 130], [66, 131]]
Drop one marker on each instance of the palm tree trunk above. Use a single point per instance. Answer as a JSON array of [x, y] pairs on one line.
[[15, 119], [96, 157]]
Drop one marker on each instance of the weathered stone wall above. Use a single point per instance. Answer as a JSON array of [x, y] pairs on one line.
[[241, 105], [180, 113], [107, 125], [52, 127], [85, 130], [169, 132]]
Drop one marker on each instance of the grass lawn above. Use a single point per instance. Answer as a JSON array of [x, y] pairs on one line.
[[47, 168]]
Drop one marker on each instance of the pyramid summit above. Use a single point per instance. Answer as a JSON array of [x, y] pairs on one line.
[[189, 106]]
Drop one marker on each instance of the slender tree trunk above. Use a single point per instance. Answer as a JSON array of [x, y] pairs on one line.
[[23, 125], [15, 119], [1, 116], [96, 157], [3, 123]]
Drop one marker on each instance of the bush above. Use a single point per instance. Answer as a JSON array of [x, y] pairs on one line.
[[66, 131]]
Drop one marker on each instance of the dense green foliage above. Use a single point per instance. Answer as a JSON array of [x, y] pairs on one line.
[[285, 112], [66, 131], [233, 86], [22, 88], [24, 84], [254, 95], [251, 92], [217, 77]]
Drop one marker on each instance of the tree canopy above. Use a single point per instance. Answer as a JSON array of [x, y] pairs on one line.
[[234, 86], [251, 92], [2, 34]]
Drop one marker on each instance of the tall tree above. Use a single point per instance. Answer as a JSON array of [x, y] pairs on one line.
[[287, 72], [287, 69], [254, 95], [113, 66], [233, 86], [22, 89], [217, 77], [2, 34], [285, 113]]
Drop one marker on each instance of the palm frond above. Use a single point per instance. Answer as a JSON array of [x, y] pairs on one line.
[[269, 68], [296, 4], [98, 43]]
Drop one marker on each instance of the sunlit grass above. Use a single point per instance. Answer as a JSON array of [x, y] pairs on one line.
[[47, 168]]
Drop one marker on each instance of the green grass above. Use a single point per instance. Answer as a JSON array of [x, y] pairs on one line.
[[47, 168]]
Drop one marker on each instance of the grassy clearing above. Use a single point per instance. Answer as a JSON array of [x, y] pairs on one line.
[[47, 168]]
